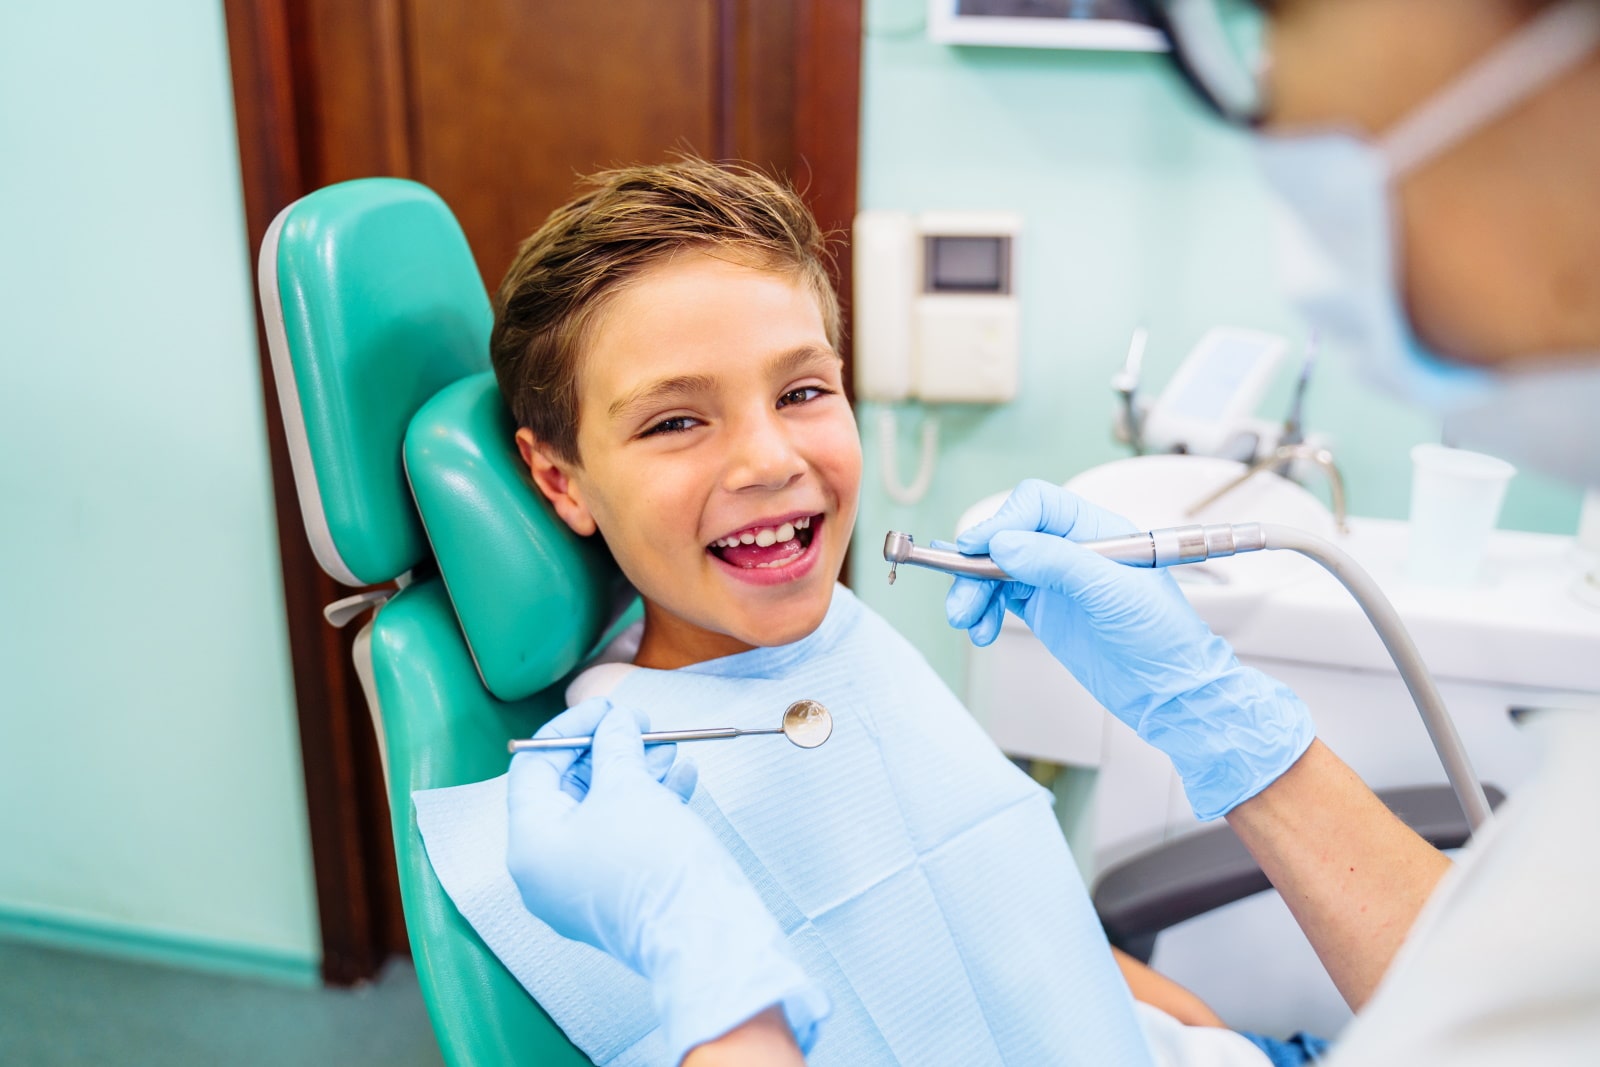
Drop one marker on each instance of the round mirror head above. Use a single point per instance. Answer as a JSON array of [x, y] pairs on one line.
[[807, 723]]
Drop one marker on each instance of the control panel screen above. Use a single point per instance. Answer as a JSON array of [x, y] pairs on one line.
[[1221, 370], [968, 265]]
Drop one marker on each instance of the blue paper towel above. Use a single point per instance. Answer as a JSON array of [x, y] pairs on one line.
[[920, 877]]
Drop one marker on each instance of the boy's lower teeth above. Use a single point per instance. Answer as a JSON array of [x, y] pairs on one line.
[[786, 551]]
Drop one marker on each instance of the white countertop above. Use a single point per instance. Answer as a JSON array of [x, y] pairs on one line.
[[1521, 625]]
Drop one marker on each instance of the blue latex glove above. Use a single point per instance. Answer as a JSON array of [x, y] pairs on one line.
[[1129, 636], [608, 854]]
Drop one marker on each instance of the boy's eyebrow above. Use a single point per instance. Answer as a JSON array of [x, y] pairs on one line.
[[798, 359], [663, 389]]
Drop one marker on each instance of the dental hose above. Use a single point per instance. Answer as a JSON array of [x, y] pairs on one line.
[[1176, 545], [1407, 660]]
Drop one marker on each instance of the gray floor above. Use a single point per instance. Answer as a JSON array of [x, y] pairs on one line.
[[60, 1008]]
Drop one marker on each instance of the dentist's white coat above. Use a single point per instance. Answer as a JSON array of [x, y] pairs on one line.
[[1503, 965]]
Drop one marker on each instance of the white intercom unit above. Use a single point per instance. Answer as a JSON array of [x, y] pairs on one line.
[[935, 306]]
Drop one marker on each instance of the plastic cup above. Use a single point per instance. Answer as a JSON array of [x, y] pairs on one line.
[[1589, 524], [1455, 500]]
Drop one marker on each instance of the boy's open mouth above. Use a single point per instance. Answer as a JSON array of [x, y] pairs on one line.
[[767, 547]]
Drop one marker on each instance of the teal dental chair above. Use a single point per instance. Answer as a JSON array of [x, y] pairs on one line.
[[407, 473]]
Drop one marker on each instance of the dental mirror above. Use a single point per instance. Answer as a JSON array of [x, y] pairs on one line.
[[806, 723]]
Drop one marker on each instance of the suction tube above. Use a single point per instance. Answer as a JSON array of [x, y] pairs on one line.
[[1407, 660], [1176, 545]]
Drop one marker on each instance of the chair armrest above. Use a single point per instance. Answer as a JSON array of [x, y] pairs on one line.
[[1189, 876]]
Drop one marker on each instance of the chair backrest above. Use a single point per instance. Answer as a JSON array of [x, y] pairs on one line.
[[378, 325], [530, 596]]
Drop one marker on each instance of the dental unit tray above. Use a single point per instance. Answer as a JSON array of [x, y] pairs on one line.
[[1177, 545]]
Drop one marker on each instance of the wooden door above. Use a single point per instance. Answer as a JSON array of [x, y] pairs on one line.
[[497, 105]]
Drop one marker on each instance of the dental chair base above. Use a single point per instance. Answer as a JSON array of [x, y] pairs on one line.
[[1139, 898]]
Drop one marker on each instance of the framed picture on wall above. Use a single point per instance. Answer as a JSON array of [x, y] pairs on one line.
[[1110, 25]]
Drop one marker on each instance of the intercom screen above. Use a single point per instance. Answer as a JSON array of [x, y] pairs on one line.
[[968, 264]]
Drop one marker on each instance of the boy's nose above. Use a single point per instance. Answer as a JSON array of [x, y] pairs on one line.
[[764, 457]]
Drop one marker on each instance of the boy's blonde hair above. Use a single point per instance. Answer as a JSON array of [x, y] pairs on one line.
[[626, 221]]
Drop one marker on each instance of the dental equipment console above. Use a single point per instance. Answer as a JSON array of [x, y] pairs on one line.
[[1208, 407], [1177, 545]]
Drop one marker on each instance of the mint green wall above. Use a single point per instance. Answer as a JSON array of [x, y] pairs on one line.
[[150, 785], [1137, 208]]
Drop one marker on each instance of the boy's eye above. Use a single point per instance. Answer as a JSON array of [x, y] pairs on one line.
[[801, 395], [675, 424]]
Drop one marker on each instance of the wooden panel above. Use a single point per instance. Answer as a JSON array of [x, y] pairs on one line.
[[758, 85], [506, 120], [356, 96], [827, 128]]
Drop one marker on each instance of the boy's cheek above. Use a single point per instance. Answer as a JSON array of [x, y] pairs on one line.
[[847, 481]]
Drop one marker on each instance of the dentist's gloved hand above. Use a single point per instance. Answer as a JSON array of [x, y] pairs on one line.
[[1129, 636], [604, 850]]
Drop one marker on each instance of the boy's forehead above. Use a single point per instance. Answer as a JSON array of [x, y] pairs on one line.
[[700, 315]]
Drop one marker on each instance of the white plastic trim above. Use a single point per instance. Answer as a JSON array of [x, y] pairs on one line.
[[294, 421], [945, 26], [362, 654], [344, 611]]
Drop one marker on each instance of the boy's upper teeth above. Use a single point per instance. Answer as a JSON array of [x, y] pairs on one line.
[[764, 536]]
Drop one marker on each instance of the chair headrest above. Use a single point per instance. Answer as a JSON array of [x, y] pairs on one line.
[[532, 597], [372, 303]]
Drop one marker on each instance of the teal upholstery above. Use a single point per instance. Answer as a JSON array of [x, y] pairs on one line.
[[491, 535], [442, 728], [374, 305]]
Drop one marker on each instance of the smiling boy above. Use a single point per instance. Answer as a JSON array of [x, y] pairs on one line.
[[668, 345], [704, 430]]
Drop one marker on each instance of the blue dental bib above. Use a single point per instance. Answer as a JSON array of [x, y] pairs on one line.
[[921, 879]]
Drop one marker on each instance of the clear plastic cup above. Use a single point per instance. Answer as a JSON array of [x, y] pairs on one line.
[[1589, 524], [1455, 501]]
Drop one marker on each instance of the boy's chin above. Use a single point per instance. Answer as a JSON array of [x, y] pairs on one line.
[[795, 623]]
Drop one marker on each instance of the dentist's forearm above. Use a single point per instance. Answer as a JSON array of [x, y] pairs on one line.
[[1353, 874], [764, 1041]]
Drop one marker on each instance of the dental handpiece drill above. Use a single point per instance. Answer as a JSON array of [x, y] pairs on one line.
[[1165, 547], [1174, 545]]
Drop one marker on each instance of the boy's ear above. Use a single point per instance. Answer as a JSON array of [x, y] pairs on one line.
[[554, 478]]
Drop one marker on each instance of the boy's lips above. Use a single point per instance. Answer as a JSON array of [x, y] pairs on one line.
[[770, 561]]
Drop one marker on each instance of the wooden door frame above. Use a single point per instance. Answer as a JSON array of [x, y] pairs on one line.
[[275, 101]]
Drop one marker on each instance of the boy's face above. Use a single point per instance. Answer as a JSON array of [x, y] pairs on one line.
[[718, 456]]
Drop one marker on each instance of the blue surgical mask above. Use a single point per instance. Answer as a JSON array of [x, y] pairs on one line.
[[1339, 254]]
